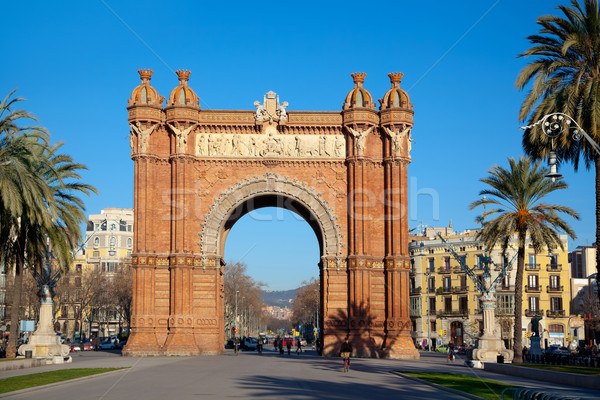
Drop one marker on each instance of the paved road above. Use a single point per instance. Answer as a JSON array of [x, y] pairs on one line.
[[250, 375]]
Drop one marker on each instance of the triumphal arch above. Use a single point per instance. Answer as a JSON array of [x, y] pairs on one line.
[[198, 171]]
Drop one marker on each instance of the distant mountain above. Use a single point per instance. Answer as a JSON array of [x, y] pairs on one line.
[[279, 298]]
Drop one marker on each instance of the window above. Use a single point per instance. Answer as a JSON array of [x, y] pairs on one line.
[[532, 281], [448, 304], [96, 268], [96, 253], [534, 303], [463, 249], [96, 241], [113, 227], [431, 284], [553, 262], [447, 283], [129, 228], [113, 242], [130, 243], [506, 304], [463, 304], [431, 265], [556, 303], [433, 326], [431, 305], [122, 226], [90, 226], [447, 263], [505, 260], [129, 254], [78, 281], [415, 306], [531, 264], [78, 268], [479, 261], [506, 282], [64, 311], [554, 281]]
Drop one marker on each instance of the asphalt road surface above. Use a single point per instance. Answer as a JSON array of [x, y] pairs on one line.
[[248, 375]]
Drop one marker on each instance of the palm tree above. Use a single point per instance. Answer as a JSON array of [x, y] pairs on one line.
[[565, 77], [516, 199], [39, 203]]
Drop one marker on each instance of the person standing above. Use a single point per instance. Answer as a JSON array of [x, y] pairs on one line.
[[236, 345], [289, 345]]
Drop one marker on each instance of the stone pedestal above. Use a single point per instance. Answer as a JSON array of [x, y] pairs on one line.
[[489, 346], [45, 343], [535, 349]]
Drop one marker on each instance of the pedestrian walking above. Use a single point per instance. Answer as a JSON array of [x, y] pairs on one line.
[[280, 345], [289, 345], [299, 349]]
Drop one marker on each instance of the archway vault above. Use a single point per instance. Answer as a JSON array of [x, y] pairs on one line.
[[272, 190], [198, 171]]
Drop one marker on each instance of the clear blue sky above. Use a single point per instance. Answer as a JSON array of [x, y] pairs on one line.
[[76, 64]]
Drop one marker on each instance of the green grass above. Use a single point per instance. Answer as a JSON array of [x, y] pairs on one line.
[[44, 378], [564, 368], [484, 388]]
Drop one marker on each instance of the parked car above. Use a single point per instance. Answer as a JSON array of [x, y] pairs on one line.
[[87, 346], [107, 345], [249, 344], [75, 345], [556, 349]]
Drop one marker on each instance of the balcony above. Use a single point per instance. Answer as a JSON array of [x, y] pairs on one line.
[[505, 311], [460, 289], [554, 289], [533, 289], [431, 290], [555, 313], [453, 313], [554, 267], [415, 291], [533, 313], [444, 270], [510, 288], [532, 267]]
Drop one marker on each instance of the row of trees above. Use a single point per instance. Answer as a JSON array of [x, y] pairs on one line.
[[39, 201], [305, 308], [243, 295], [81, 298]]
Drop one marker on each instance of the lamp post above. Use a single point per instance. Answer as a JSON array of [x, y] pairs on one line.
[[236, 313], [426, 273], [552, 126]]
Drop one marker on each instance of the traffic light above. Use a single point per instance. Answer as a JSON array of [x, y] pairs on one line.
[[444, 334], [528, 334]]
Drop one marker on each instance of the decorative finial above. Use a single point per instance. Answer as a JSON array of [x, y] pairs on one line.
[[183, 75], [145, 74], [396, 77], [359, 77]]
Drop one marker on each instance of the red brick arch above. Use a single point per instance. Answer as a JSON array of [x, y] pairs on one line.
[[198, 171]]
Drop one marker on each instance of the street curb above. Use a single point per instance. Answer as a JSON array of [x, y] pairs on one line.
[[435, 385], [83, 378]]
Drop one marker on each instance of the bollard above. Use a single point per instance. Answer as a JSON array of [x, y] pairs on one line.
[[28, 353]]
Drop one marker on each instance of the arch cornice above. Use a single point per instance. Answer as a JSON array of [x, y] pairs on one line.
[[270, 184]]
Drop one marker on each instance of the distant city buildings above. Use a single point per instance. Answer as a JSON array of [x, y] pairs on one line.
[[279, 312], [444, 302]]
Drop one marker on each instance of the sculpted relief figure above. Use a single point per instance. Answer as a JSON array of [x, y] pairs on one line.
[[143, 135], [281, 108], [398, 138], [260, 111], [182, 135], [360, 138], [340, 146], [202, 145]]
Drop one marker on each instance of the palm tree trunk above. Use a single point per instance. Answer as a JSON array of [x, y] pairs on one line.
[[518, 326], [597, 161], [15, 311]]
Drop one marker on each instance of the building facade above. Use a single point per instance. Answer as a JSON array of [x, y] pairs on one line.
[[444, 302]]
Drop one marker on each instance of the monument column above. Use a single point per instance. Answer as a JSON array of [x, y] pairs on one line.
[[145, 116], [396, 122]]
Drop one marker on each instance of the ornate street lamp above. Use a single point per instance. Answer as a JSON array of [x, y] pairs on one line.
[[552, 126]]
